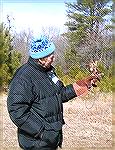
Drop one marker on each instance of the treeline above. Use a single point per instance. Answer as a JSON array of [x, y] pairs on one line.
[[89, 37], [9, 58]]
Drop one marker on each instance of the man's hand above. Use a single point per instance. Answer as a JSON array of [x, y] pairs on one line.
[[82, 87]]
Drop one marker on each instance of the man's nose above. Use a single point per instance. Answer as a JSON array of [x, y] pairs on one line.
[[52, 57]]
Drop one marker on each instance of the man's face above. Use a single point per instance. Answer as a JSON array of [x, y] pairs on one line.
[[47, 61]]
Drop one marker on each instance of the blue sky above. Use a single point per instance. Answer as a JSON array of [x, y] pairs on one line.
[[35, 14]]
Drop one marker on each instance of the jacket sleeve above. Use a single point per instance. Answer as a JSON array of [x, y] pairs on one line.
[[66, 92], [19, 107]]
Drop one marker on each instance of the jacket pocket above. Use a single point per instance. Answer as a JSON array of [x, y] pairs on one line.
[[26, 142], [51, 137]]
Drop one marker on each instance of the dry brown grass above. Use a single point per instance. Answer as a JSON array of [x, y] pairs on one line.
[[85, 129]]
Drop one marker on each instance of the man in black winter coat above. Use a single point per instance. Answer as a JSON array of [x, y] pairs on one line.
[[36, 97]]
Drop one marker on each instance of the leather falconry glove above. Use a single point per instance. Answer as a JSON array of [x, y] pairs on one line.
[[82, 87]]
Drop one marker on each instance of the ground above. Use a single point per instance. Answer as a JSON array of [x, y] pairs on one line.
[[88, 124]]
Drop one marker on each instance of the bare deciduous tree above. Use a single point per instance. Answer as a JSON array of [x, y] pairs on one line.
[[22, 43]]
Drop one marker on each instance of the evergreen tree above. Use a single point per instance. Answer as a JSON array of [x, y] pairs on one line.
[[87, 36], [9, 59]]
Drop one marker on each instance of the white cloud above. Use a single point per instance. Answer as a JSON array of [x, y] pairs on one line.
[[35, 16]]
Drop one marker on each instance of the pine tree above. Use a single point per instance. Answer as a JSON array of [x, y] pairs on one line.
[[9, 59], [86, 28]]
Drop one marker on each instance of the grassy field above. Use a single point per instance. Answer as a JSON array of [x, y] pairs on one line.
[[89, 125]]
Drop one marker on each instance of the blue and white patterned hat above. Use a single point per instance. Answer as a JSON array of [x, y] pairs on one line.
[[41, 47]]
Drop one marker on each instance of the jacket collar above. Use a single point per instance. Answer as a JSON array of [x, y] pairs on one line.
[[33, 63]]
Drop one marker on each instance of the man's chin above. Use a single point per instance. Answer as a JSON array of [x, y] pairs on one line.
[[48, 66]]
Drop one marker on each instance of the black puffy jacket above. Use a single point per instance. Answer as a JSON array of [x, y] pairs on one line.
[[35, 105]]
